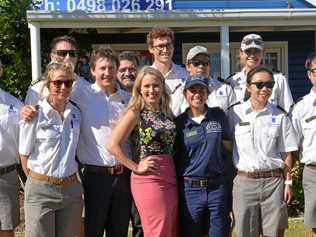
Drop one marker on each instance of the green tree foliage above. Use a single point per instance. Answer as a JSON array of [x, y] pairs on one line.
[[15, 46], [296, 207]]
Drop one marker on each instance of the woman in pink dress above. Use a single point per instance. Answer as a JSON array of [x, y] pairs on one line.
[[153, 179]]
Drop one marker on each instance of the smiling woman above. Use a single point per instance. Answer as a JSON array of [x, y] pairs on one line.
[[47, 150], [153, 179]]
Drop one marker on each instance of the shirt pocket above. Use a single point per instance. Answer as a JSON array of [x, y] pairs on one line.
[[243, 136], [309, 132], [269, 138]]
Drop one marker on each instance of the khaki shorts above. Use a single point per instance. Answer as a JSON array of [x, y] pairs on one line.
[[9, 201], [258, 205], [309, 185]]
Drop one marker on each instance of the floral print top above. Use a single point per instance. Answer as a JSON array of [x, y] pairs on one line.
[[154, 135]]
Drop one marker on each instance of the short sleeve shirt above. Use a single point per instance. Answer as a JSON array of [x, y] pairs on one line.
[[199, 146], [51, 142], [9, 129], [304, 121], [259, 138]]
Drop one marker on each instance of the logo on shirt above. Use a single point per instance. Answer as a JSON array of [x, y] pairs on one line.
[[213, 126]]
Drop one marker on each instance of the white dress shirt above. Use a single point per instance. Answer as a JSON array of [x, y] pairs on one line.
[[281, 93], [9, 129], [259, 138], [51, 142], [221, 95], [304, 122], [100, 114], [175, 77]]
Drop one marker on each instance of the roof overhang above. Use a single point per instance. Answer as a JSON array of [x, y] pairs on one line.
[[177, 18]]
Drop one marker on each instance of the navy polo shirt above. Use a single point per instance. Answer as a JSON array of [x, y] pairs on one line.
[[198, 147]]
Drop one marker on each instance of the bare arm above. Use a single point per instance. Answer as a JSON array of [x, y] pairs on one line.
[[119, 135], [227, 145], [24, 164], [288, 164]]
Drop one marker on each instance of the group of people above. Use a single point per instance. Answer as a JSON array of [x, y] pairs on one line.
[[174, 150]]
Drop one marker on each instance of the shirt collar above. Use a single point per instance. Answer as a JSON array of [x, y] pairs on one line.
[[172, 69], [312, 97], [98, 89], [191, 122], [248, 108]]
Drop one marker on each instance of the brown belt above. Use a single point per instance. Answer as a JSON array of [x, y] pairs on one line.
[[261, 174], [113, 170], [312, 166], [53, 180], [5, 170]]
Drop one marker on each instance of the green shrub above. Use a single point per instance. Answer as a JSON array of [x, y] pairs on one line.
[[296, 207], [15, 46]]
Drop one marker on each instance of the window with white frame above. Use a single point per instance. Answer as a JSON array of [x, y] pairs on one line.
[[276, 56]]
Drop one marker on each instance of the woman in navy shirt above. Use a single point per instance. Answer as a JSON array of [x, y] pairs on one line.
[[202, 133]]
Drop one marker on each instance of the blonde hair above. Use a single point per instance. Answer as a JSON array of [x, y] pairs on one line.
[[137, 102], [56, 66]]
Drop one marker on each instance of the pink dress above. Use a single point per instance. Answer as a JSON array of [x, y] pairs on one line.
[[155, 193]]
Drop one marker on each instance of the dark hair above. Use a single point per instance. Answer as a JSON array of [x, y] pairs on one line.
[[107, 53], [254, 71], [129, 55], [65, 38], [157, 33], [310, 58]]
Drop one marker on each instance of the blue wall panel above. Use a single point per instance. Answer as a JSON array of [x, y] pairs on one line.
[[239, 4]]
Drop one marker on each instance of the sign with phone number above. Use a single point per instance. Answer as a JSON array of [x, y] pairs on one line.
[[104, 5]]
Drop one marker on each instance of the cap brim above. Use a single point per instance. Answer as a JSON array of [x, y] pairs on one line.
[[251, 46]]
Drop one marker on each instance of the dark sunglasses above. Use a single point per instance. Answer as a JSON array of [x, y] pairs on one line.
[[63, 53], [58, 83], [260, 85], [250, 41], [198, 63], [312, 70]]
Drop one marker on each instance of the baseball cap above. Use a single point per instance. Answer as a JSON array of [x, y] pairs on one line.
[[252, 41], [195, 51], [196, 80]]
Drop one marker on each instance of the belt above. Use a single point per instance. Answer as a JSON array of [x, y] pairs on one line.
[[201, 183], [312, 166], [5, 170], [113, 170], [261, 174], [53, 180]]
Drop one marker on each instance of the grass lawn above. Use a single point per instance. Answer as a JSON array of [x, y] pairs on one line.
[[296, 229]]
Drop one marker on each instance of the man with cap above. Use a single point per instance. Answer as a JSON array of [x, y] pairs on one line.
[[160, 43], [202, 135], [251, 54], [221, 94], [9, 153]]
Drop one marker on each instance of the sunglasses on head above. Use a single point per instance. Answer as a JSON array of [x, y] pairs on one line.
[[198, 63], [63, 53], [250, 41], [260, 85], [58, 83]]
